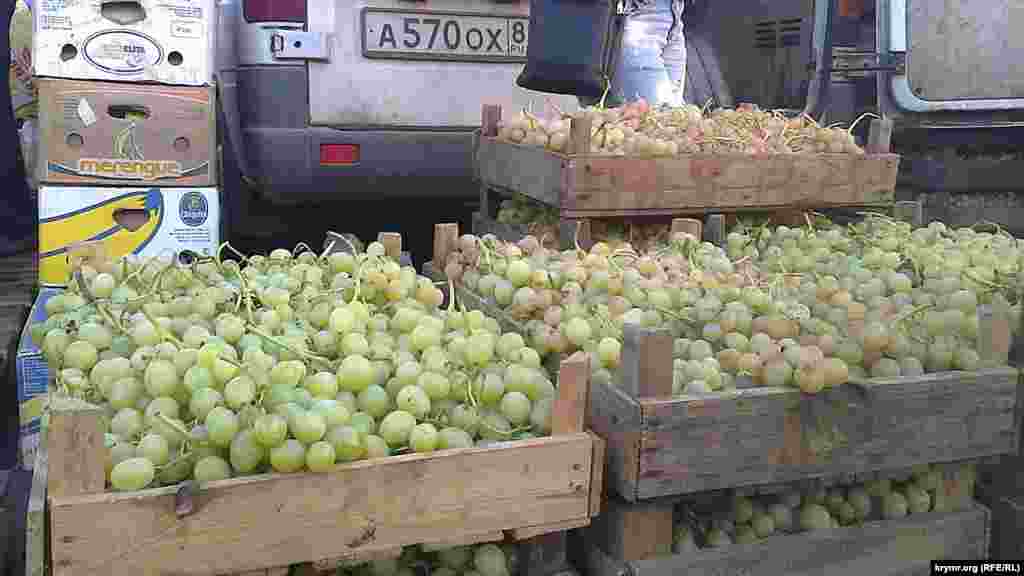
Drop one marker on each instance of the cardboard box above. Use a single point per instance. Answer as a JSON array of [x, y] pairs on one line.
[[129, 134], [121, 221], [165, 41], [33, 379]]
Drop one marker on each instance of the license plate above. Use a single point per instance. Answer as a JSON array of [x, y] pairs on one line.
[[425, 35]]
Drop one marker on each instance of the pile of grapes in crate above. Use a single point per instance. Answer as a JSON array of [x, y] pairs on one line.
[[637, 129], [715, 522], [284, 363], [491, 559], [807, 307], [542, 222]]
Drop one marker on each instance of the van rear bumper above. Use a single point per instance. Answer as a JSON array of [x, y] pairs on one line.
[[391, 164]]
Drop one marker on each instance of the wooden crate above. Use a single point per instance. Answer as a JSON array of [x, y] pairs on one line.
[[903, 547], [663, 445], [659, 445], [581, 184], [360, 511]]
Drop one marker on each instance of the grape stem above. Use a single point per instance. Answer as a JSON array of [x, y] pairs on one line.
[[164, 335], [300, 353]]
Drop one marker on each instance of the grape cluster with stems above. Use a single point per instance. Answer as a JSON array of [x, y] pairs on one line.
[[491, 559], [742, 520], [637, 129], [887, 299], [542, 222], [288, 362], [808, 307]]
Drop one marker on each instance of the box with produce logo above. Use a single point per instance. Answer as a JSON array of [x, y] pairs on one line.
[[121, 221], [126, 134], [164, 41], [33, 378]]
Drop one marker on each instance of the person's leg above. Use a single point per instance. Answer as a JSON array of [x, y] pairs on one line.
[[652, 59], [17, 220]]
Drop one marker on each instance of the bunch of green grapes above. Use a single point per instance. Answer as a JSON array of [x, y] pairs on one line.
[[743, 519], [887, 300], [727, 318], [285, 363], [637, 129], [491, 559]]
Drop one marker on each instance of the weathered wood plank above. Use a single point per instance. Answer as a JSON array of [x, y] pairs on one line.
[[250, 523], [762, 435], [584, 185], [902, 547], [534, 172], [76, 452], [35, 524]]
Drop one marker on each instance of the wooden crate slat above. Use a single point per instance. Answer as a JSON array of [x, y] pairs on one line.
[[764, 435], [534, 172], [249, 523], [585, 185], [901, 547], [35, 524]]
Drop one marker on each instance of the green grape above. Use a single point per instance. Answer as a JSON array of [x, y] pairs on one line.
[[413, 400], [334, 412], [162, 406], [239, 391], [322, 385], [211, 469], [320, 456], [203, 400], [222, 424], [127, 423], [450, 438], [132, 474], [375, 401], [307, 426], [363, 422], [349, 443], [161, 378], [396, 427], [515, 406], [376, 447], [155, 449], [288, 457], [423, 438], [271, 430]]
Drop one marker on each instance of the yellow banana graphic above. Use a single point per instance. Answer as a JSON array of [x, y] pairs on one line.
[[57, 233]]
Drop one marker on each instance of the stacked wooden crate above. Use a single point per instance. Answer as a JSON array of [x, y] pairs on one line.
[[756, 440], [528, 492], [663, 448], [584, 186]]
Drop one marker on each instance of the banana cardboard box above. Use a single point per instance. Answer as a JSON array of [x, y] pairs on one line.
[[121, 221], [163, 41], [33, 379], [104, 133]]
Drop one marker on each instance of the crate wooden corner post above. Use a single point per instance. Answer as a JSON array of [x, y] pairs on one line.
[[36, 524], [392, 242], [446, 237], [645, 372]]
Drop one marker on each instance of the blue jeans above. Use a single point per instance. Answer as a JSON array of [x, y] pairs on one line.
[[651, 63]]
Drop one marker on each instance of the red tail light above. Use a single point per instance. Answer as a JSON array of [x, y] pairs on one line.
[[275, 10]]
